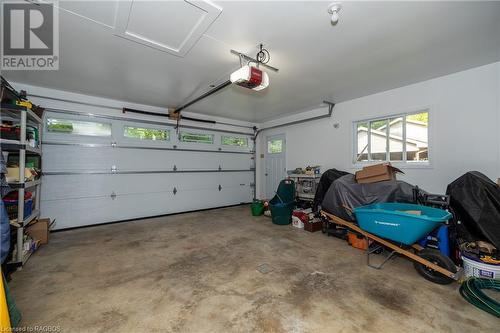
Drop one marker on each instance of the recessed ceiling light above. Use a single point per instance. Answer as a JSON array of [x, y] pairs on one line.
[[334, 10]]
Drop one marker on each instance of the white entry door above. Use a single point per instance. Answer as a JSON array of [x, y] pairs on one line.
[[275, 163]]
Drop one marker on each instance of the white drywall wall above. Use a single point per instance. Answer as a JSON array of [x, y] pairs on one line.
[[464, 128]]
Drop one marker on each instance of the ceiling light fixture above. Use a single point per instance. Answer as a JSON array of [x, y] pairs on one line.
[[334, 10]]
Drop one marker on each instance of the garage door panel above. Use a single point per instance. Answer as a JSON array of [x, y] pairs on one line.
[[237, 162], [91, 181], [58, 187], [76, 158], [70, 158], [87, 211]]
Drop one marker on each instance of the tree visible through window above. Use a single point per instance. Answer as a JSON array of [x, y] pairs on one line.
[[146, 133], [197, 137], [234, 141], [78, 127], [403, 138], [275, 146]]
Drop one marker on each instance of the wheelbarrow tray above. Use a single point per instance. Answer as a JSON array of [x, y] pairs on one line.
[[407, 252], [399, 222]]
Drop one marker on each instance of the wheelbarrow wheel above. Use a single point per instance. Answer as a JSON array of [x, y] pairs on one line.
[[439, 259]]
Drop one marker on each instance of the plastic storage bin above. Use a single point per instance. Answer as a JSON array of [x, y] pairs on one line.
[[11, 207], [395, 222]]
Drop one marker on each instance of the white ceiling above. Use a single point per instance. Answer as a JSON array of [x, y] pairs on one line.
[[375, 46]]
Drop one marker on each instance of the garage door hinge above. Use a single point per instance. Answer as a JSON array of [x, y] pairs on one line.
[[113, 144], [175, 167], [252, 184], [220, 188], [113, 169], [220, 168], [174, 191], [113, 195]]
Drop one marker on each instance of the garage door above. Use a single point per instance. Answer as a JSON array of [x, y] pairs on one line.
[[103, 169]]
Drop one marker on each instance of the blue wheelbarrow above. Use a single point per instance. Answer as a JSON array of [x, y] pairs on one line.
[[399, 227]]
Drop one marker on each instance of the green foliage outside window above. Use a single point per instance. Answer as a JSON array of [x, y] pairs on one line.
[[197, 137], [146, 133], [78, 127], [59, 126], [234, 141], [275, 146]]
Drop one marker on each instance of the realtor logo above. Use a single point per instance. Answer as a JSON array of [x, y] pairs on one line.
[[30, 36]]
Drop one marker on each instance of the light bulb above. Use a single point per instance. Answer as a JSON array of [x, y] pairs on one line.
[[335, 17], [334, 9]]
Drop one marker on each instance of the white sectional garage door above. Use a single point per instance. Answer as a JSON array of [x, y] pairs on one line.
[[106, 176]]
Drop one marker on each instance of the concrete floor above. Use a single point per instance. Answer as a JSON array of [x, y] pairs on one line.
[[197, 272]]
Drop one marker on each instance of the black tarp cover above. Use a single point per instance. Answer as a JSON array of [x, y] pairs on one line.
[[475, 199], [346, 192], [327, 178]]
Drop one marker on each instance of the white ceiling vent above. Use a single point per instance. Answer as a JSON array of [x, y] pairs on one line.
[[169, 26]]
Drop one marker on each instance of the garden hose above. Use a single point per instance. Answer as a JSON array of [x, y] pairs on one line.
[[471, 291]]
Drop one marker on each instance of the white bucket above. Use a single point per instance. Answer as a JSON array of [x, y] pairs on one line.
[[480, 269]]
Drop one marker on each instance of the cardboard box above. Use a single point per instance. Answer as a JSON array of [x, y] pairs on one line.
[[377, 173], [39, 230]]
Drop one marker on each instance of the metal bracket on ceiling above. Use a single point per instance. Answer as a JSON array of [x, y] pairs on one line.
[[250, 59]]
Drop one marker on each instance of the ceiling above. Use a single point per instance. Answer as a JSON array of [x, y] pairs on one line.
[[184, 47]]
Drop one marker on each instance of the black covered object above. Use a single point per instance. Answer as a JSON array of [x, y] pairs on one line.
[[475, 200], [326, 180], [346, 192]]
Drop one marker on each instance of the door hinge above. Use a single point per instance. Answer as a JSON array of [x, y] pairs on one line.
[[113, 195], [114, 169], [220, 188], [174, 191], [175, 167]]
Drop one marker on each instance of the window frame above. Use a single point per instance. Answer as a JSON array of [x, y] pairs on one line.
[[404, 163], [72, 120], [276, 139], [124, 130], [195, 142], [246, 146]]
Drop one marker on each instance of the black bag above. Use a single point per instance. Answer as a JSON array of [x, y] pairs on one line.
[[475, 200], [327, 178]]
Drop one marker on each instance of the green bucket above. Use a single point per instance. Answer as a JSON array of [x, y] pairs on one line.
[[257, 208]]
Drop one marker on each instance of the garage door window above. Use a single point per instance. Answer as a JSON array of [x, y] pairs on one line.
[[234, 141], [197, 137], [78, 127], [400, 138], [146, 133]]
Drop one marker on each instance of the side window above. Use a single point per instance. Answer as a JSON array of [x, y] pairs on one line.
[[227, 140], [400, 138], [146, 133], [197, 137], [78, 127], [275, 146]]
